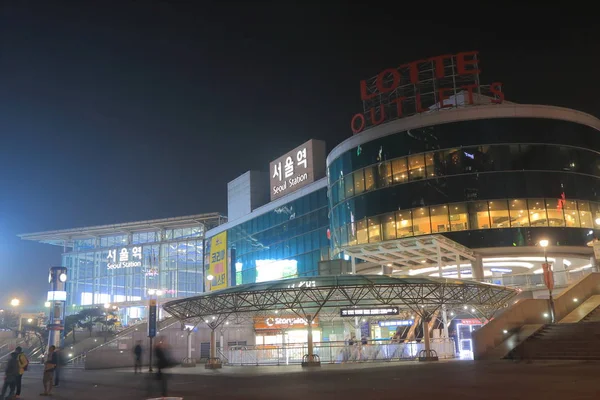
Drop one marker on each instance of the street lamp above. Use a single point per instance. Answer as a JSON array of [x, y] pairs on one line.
[[47, 304], [210, 279], [550, 278], [15, 302], [107, 306]]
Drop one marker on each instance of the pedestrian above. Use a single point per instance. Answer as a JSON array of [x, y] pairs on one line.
[[23, 365], [137, 351], [59, 365], [162, 362], [49, 368], [10, 377]]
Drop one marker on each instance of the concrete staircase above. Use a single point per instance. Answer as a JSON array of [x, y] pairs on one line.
[[594, 316], [578, 341]]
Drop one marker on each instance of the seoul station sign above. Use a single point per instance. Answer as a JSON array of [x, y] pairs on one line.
[[297, 168], [422, 86]]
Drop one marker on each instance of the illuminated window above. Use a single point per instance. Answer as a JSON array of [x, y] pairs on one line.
[[519, 215], [400, 170], [384, 174], [362, 235], [359, 182], [374, 230], [351, 234], [416, 167], [349, 185], [429, 165], [439, 218], [369, 178], [571, 214], [459, 219], [389, 227], [421, 223], [586, 217], [537, 212], [480, 215], [554, 211], [499, 214], [404, 226]]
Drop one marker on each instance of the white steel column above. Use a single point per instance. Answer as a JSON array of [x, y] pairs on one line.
[[439, 259], [445, 321], [189, 344], [458, 266], [353, 263], [477, 268], [560, 275]]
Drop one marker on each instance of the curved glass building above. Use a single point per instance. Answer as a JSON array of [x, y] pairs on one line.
[[493, 178]]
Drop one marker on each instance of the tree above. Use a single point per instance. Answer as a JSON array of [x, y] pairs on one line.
[[87, 318], [40, 332], [9, 319], [71, 322]]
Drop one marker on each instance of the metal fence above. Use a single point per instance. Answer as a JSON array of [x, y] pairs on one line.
[[336, 352]]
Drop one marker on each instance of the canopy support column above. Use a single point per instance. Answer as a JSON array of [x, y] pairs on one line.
[[310, 359]]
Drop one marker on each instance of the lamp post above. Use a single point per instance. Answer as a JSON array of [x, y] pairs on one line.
[[548, 278], [16, 303], [210, 279]]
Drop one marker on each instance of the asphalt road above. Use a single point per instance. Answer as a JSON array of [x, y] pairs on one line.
[[447, 380]]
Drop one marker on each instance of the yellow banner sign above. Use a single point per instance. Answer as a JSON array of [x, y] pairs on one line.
[[217, 270]]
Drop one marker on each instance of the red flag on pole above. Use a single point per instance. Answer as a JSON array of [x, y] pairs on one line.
[[548, 275]]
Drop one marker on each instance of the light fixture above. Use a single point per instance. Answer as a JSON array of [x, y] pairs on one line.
[[389, 265], [452, 314], [544, 243], [47, 304], [505, 331], [70, 354], [575, 300], [210, 277], [107, 306], [62, 277], [545, 315], [364, 320], [15, 302], [472, 310], [151, 292], [159, 292], [30, 320], [226, 322], [597, 221], [465, 307]]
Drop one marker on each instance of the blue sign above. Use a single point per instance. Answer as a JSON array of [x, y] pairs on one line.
[[152, 319]]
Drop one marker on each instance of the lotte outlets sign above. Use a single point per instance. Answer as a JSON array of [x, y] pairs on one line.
[[297, 168]]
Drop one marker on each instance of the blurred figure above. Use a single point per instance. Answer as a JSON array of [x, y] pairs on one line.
[[23, 365], [10, 377], [49, 368], [162, 362], [59, 364], [137, 351]]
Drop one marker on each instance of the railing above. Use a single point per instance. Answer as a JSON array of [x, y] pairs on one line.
[[536, 281], [336, 352]]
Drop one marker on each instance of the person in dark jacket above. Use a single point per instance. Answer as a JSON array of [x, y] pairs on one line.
[[162, 362], [10, 377], [137, 352]]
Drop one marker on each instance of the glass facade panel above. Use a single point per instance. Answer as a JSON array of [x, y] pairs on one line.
[[480, 215], [439, 219], [554, 210], [421, 222], [349, 185], [400, 170], [359, 182], [519, 215], [586, 216], [389, 226], [384, 173], [416, 167], [499, 214], [369, 178], [571, 214], [429, 165], [374, 230], [459, 219], [362, 235], [537, 212], [404, 225]]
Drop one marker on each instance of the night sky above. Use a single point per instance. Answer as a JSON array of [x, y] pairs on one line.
[[121, 111]]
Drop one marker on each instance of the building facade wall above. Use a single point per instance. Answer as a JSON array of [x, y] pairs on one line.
[[171, 260], [484, 183]]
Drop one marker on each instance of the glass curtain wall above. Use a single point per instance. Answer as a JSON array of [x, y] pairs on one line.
[[288, 241]]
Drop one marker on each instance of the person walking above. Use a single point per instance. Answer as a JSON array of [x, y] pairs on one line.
[[10, 377], [162, 362], [137, 351], [59, 364], [23, 365], [49, 368]]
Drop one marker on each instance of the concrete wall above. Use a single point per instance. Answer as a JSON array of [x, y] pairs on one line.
[[531, 311]]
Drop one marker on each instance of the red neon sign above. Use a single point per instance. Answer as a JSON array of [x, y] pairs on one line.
[[436, 83]]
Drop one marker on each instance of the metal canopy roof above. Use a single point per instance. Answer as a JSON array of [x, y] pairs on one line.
[[66, 236], [310, 296], [415, 252]]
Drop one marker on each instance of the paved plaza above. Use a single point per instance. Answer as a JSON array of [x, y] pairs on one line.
[[450, 379]]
